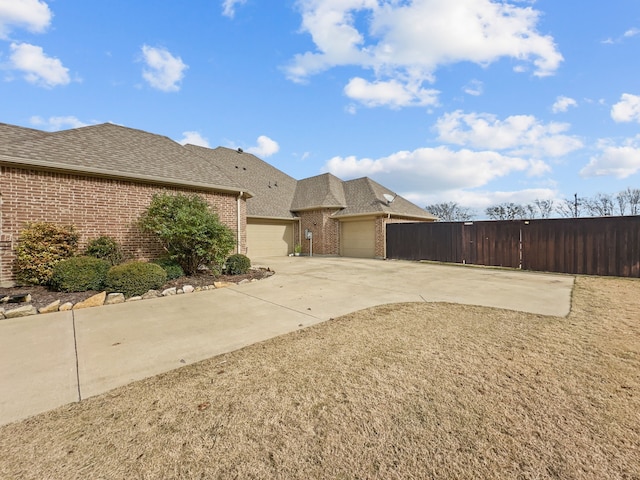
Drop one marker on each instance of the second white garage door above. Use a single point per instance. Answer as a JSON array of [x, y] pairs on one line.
[[269, 238], [358, 239]]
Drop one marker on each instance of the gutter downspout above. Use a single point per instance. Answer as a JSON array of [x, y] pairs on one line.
[[384, 237], [239, 230]]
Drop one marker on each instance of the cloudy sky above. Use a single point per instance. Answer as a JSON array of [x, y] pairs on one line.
[[474, 101]]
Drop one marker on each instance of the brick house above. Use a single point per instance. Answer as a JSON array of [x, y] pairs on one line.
[[346, 218], [100, 178]]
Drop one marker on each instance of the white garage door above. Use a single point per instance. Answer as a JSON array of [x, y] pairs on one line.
[[269, 238], [358, 239]]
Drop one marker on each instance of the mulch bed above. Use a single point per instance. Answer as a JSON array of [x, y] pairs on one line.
[[42, 296]]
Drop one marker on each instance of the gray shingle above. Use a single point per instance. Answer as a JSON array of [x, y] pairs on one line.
[[273, 189], [114, 150], [364, 196], [321, 191], [13, 133]]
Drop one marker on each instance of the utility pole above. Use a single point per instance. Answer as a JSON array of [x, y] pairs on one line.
[[575, 205]]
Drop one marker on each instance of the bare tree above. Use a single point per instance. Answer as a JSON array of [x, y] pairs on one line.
[[450, 212], [506, 211], [600, 205], [569, 208], [545, 207], [629, 198]]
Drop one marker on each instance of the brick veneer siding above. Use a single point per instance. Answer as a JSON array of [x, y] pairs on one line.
[[326, 231], [95, 206]]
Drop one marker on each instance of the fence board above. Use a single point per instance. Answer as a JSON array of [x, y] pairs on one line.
[[593, 246]]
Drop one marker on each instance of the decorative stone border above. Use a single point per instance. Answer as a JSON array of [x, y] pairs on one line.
[[113, 298]]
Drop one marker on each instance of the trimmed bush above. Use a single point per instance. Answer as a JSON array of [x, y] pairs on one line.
[[238, 264], [40, 246], [189, 231], [135, 278], [106, 248], [79, 274], [173, 269]]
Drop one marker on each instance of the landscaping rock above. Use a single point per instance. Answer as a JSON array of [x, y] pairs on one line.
[[223, 284], [94, 301], [114, 298], [151, 294], [21, 298], [180, 291], [134, 299], [66, 307], [52, 307], [1, 313], [23, 311], [188, 289], [241, 282], [169, 291]]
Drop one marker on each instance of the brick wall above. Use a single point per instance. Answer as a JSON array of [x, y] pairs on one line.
[[326, 238], [95, 206]]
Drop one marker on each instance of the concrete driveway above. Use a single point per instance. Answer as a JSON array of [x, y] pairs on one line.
[[54, 359]]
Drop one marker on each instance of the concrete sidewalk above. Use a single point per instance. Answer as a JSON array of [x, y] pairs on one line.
[[54, 359]]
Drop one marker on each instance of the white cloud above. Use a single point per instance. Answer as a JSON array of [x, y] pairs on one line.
[[632, 32], [407, 42], [517, 134], [229, 7], [620, 161], [163, 71], [392, 93], [194, 138], [37, 67], [563, 103], [54, 124], [479, 200], [627, 109], [34, 15], [436, 169], [474, 87], [265, 148]]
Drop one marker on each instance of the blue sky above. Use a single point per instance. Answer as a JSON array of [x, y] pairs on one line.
[[474, 101]]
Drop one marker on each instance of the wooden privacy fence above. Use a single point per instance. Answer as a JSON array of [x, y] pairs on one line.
[[591, 246]]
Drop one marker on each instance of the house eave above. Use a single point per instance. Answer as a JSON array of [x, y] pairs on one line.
[[318, 207], [264, 217], [104, 173]]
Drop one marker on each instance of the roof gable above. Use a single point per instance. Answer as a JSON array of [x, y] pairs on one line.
[[321, 191], [365, 196]]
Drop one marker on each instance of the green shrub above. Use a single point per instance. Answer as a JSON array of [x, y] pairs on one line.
[[79, 274], [238, 264], [40, 246], [106, 248], [173, 269], [135, 278], [189, 231]]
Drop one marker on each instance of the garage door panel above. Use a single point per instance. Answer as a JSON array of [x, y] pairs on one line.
[[269, 238], [358, 239]]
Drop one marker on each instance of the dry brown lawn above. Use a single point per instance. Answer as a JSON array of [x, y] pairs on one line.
[[410, 391]]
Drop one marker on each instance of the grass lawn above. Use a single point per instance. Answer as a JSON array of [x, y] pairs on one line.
[[407, 391]]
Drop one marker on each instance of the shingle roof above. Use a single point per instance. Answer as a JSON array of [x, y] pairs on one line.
[[13, 133], [113, 150], [321, 191], [272, 188], [365, 196]]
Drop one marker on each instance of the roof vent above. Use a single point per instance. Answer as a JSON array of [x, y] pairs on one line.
[[240, 150]]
